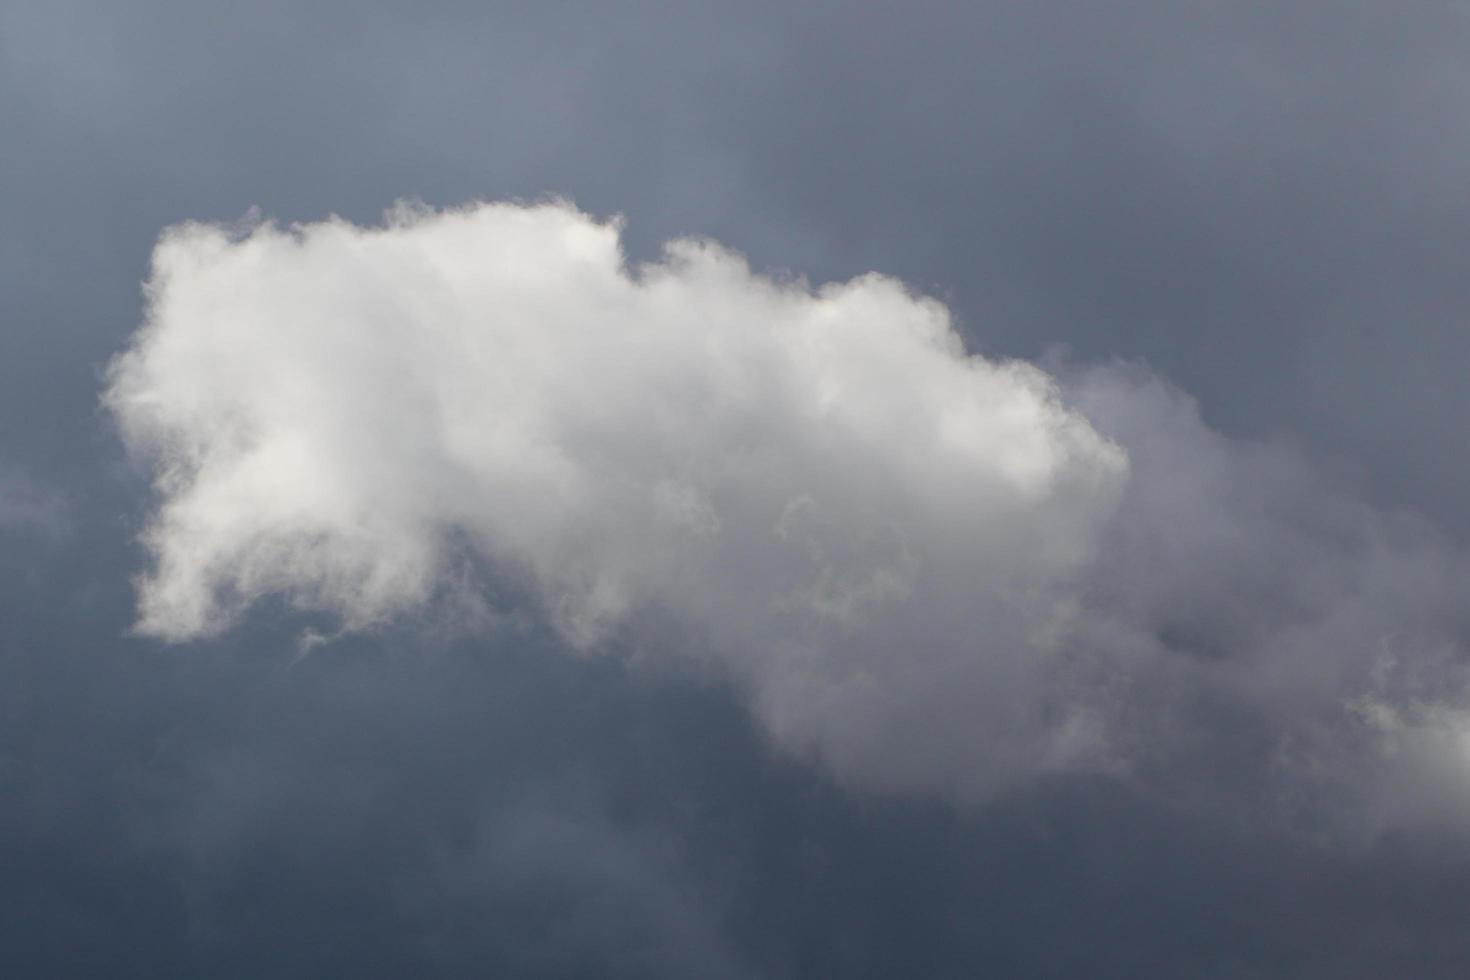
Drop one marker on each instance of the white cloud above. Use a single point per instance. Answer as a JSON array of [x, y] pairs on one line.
[[930, 570], [817, 487]]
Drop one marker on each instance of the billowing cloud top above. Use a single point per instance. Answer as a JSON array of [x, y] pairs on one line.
[[929, 569]]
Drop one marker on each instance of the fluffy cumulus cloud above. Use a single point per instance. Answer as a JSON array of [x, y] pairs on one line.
[[929, 570]]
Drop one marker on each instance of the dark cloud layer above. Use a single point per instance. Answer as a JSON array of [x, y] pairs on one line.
[[387, 810], [1266, 205]]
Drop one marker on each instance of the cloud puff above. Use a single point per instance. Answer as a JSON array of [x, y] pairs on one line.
[[930, 570], [1260, 630]]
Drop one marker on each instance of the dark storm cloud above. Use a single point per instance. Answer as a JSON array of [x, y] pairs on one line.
[[1265, 204], [234, 811]]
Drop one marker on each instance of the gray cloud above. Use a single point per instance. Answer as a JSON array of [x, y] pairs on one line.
[[1271, 625]]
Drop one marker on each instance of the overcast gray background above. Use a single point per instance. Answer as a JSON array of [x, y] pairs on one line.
[[1268, 205]]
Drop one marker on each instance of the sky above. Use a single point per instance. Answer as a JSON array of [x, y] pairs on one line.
[[734, 490]]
